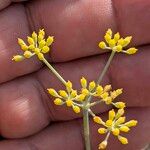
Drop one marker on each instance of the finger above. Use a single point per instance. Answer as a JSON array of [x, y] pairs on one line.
[[77, 27], [5, 3], [69, 135], [26, 101]]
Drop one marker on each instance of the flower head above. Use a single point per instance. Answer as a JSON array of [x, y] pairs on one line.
[[117, 43], [115, 125], [68, 97], [37, 45]]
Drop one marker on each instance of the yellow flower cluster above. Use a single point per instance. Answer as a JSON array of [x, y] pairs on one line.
[[37, 45], [115, 124], [116, 43], [68, 97], [104, 93]]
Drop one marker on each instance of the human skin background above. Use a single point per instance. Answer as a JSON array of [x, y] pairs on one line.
[[28, 118]]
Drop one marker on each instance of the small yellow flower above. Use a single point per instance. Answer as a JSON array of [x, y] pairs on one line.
[[102, 145], [37, 45], [18, 58], [116, 43], [115, 125], [68, 97]]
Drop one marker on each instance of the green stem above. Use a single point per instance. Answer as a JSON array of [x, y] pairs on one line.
[[106, 68], [54, 71], [104, 71], [86, 129]]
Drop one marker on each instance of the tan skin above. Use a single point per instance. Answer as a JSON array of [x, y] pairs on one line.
[[26, 109]]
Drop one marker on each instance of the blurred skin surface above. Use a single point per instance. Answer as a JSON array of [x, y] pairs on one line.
[[28, 118]]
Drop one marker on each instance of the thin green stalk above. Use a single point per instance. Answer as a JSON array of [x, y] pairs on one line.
[[106, 68], [100, 78], [54, 71], [86, 129]]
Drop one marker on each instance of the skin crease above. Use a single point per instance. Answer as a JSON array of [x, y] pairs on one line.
[[28, 110]]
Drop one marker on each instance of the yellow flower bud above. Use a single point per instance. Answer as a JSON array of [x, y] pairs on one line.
[[117, 36], [73, 93], [102, 130], [24, 47], [42, 43], [31, 47], [49, 40], [102, 45], [119, 91], [123, 140], [104, 95], [109, 32], [18, 58], [58, 101], [99, 90], [63, 93], [53, 92], [120, 105], [112, 114], [92, 85], [121, 42], [108, 100], [69, 103], [102, 145], [116, 131], [131, 51], [85, 91], [107, 38], [97, 120], [69, 86], [81, 97], [76, 109], [107, 88], [27, 54], [109, 123], [124, 129], [127, 40], [83, 82], [21, 42], [131, 123], [112, 43], [37, 50], [120, 120], [30, 40], [34, 36], [119, 113], [40, 56], [45, 49], [118, 48], [42, 32]]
